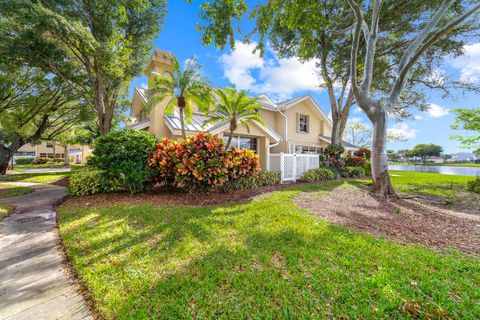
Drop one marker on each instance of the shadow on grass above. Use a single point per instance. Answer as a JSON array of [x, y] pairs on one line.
[[263, 258]]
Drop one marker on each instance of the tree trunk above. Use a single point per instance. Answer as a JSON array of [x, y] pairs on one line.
[[230, 137], [65, 156], [53, 150], [6, 153], [381, 178], [182, 123]]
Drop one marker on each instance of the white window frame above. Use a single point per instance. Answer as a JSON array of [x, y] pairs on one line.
[[299, 123], [238, 137]]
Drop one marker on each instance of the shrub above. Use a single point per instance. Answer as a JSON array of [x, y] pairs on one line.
[[200, 162], [24, 160], [363, 153], [368, 168], [123, 156], [355, 161], [41, 160], [474, 185], [334, 150], [86, 181], [353, 172], [318, 174], [261, 179]]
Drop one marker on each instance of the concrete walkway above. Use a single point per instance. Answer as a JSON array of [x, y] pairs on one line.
[[33, 280]]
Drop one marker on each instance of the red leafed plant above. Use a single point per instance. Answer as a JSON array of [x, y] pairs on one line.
[[363, 153], [355, 161], [200, 162]]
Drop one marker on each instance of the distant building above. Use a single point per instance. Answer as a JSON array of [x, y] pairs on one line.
[[50, 149], [463, 157], [435, 160]]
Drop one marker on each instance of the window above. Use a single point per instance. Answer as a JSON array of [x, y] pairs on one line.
[[242, 142], [49, 145], [303, 123], [299, 149]]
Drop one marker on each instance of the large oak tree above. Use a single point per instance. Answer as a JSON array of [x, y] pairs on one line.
[[35, 107], [95, 46]]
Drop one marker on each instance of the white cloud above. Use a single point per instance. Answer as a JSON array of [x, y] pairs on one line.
[[239, 64], [357, 110], [402, 130], [278, 77], [417, 117], [469, 63], [436, 111], [144, 85], [355, 119]]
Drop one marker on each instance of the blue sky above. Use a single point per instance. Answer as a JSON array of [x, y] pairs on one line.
[[285, 78]]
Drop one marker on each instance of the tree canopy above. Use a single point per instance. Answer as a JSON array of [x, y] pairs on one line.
[[35, 107], [426, 150], [96, 47], [468, 119]]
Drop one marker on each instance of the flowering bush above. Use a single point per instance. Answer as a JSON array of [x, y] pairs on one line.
[[200, 162]]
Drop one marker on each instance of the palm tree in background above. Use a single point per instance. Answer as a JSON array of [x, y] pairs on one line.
[[182, 89], [236, 107]]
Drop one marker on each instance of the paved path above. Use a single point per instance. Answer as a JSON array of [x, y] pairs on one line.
[[33, 282]]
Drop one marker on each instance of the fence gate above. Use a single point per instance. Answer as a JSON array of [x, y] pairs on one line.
[[292, 166]]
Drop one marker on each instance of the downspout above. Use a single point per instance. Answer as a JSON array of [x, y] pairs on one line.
[[286, 128]]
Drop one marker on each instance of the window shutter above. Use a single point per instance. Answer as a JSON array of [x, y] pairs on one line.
[[298, 122]]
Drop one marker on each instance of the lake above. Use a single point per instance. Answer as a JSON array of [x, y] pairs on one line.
[[459, 171]]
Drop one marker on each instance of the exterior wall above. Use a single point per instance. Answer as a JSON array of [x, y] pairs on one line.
[[270, 118], [316, 125], [40, 149]]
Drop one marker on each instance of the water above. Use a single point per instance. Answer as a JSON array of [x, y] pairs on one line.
[[459, 171]]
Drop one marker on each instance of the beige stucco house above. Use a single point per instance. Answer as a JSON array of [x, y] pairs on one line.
[[294, 126], [50, 149]]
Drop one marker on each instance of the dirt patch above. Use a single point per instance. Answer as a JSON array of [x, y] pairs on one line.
[[409, 220], [164, 197], [62, 182]]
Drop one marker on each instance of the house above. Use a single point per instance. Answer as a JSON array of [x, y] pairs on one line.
[[294, 126], [434, 160], [463, 157], [50, 149]]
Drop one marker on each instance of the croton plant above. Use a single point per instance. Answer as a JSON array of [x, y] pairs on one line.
[[200, 162]]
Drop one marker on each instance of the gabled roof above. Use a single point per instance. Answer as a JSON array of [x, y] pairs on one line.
[[196, 124], [292, 102], [346, 144], [142, 92]]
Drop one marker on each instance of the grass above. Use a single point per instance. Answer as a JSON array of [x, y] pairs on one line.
[[5, 210], [37, 177], [39, 166], [262, 259], [13, 191], [444, 185]]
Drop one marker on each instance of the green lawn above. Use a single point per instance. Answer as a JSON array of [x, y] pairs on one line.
[[38, 177], [13, 191], [429, 183], [38, 166], [5, 209], [262, 259]]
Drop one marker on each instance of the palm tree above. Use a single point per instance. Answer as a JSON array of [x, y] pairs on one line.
[[182, 89], [236, 107]]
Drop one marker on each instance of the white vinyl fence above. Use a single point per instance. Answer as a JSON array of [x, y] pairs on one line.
[[292, 166]]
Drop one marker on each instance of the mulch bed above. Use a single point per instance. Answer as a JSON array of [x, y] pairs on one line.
[[62, 182], [164, 197], [407, 220]]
